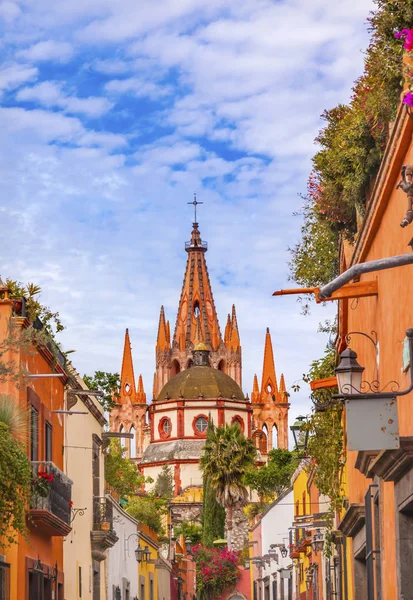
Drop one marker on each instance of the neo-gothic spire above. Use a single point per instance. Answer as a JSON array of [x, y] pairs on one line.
[[269, 378], [127, 377], [196, 313], [140, 394], [163, 340]]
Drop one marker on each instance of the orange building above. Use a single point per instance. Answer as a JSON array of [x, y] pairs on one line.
[[34, 566], [378, 522]]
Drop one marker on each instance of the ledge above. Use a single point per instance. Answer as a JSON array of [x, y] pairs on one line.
[[102, 541], [364, 461], [391, 465], [46, 522], [353, 520]]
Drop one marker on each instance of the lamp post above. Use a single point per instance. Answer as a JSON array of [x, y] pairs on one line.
[[300, 434]]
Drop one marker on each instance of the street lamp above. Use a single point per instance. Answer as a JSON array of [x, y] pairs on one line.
[[188, 545], [142, 554], [299, 433], [317, 543], [349, 373]]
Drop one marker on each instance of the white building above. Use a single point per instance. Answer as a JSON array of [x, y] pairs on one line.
[[274, 579]]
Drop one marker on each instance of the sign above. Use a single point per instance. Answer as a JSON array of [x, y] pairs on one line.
[[372, 424]]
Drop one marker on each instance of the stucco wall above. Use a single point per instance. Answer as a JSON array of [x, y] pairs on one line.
[[78, 466], [121, 562]]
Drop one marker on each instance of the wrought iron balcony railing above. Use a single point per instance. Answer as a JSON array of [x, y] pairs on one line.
[[102, 513], [51, 490]]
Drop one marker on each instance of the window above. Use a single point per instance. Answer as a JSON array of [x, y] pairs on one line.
[[165, 427], [80, 582], [48, 441], [4, 581], [304, 504], [201, 424], [239, 421], [197, 312], [34, 434]]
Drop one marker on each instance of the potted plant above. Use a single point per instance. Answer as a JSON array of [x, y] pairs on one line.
[[41, 484]]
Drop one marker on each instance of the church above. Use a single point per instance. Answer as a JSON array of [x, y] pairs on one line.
[[198, 376]]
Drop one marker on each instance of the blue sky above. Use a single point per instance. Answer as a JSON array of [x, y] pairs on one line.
[[113, 113]]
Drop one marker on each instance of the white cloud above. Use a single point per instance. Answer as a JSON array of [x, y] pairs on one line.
[[50, 94], [138, 87], [242, 86], [14, 75], [48, 50], [9, 11]]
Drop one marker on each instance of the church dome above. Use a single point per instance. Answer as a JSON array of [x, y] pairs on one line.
[[205, 381]]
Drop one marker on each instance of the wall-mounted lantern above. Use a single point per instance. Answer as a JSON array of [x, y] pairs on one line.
[[300, 434]]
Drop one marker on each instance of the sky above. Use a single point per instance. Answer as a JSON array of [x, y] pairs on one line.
[[112, 114]]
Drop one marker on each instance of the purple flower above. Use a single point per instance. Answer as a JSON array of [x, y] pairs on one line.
[[408, 99], [401, 34]]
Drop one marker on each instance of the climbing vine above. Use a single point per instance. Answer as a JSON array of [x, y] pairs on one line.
[[15, 486], [352, 144]]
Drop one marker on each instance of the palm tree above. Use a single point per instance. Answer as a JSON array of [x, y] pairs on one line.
[[227, 456], [15, 417]]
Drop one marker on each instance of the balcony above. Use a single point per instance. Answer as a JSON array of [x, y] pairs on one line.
[[50, 510], [103, 536]]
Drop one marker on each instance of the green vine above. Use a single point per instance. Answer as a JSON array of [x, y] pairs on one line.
[[15, 486], [352, 145]]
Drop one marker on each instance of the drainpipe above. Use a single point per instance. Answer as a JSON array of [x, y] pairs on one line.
[[368, 267]]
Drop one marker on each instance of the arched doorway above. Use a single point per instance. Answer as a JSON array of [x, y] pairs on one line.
[[132, 447]]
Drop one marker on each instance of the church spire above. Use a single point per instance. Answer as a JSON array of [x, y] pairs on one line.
[[269, 378], [127, 377], [140, 395], [255, 396], [163, 339], [196, 312]]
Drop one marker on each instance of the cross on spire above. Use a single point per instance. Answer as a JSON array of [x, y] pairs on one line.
[[195, 204]]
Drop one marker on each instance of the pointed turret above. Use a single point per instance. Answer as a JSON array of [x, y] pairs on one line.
[[255, 395], [269, 379], [227, 334], [282, 384], [235, 342], [196, 307], [140, 394], [162, 342], [127, 377]]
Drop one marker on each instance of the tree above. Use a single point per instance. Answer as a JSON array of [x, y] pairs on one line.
[[164, 486], [189, 530], [108, 384], [227, 457], [149, 511], [213, 513], [275, 477], [121, 474]]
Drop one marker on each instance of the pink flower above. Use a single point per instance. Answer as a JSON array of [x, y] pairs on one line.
[[408, 99]]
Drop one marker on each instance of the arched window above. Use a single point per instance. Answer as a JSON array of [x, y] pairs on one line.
[[197, 310], [132, 443], [165, 428], [221, 365], [263, 440], [123, 441], [175, 368], [274, 436], [239, 421]]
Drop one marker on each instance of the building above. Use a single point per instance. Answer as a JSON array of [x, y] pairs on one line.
[[378, 521], [86, 546], [198, 376], [34, 565]]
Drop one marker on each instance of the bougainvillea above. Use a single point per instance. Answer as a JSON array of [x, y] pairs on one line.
[[216, 571]]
